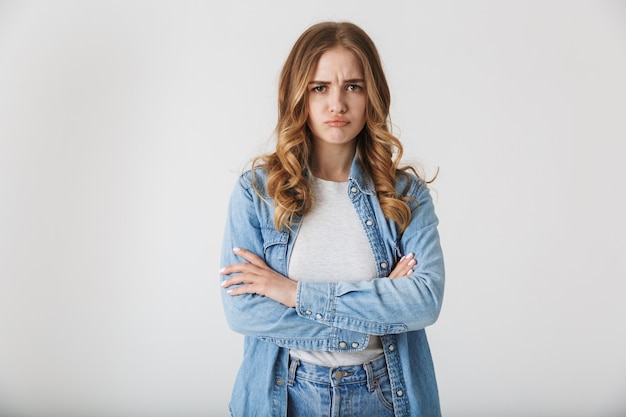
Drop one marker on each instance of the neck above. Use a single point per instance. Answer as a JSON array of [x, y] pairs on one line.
[[332, 164]]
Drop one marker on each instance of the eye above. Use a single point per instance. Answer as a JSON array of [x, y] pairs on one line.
[[319, 89], [354, 87]]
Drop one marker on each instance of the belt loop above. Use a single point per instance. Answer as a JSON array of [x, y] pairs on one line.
[[371, 382], [291, 379]]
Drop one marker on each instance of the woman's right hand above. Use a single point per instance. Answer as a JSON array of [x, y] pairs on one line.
[[258, 278], [404, 267]]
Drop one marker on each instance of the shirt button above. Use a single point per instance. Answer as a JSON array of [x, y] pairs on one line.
[[383, 265], [399, 393], [343, 345], [355, 345], [353, 190], [392, 348], [308, 312], [318, 316], [369, 222], [279, 381]]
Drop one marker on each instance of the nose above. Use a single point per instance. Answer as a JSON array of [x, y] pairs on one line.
[[336, 102]]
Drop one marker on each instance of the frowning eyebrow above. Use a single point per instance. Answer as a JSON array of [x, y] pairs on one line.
[[351, 81]]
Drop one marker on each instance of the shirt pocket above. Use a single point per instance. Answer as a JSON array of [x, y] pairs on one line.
[[274, 247]]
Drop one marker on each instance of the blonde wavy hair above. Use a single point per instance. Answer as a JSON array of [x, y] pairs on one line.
[[378, 150]]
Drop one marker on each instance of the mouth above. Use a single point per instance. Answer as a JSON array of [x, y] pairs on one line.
[[337, 122]]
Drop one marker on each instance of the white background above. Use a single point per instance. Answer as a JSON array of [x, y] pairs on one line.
[[124, 124]]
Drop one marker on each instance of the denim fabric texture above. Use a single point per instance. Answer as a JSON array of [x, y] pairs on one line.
[[334, 315], [346, 391]]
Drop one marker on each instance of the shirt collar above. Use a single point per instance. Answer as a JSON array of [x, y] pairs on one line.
[[357, 176]]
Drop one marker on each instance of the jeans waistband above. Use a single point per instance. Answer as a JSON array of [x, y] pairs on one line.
[[369, 371]]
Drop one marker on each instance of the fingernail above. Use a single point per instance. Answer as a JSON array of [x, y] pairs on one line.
[[410, 255], [235, 249], [223, 283], [222, 270], [409, 272], [402, 259], [412, 262]]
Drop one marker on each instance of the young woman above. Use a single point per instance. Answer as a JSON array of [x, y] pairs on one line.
[[332, 261]]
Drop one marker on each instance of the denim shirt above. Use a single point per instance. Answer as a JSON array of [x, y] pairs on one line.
[[335, 315]]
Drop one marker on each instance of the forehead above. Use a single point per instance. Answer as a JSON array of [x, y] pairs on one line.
[[338, 61]]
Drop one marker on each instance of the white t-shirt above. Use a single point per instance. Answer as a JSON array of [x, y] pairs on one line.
[[331, 245]]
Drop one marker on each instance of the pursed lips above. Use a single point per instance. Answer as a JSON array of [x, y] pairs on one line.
[[337, 122]]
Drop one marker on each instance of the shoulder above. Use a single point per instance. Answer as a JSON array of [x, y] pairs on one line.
[[254, 179], [415, 188], [409, 184]]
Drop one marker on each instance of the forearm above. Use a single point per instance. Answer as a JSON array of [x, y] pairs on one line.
[[384, 305], [257, 315]]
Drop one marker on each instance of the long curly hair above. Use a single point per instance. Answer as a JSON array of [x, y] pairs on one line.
[[378, 150]]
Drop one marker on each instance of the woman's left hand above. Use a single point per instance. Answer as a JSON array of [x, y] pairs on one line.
[[404, 267], [258, 278]]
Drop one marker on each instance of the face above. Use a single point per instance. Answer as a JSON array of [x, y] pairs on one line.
[[336, 98]]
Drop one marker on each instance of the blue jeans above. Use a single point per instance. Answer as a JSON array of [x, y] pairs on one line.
[[345, 391]]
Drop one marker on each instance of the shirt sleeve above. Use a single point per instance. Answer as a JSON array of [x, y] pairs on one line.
[[255, 315], [383, 305]]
